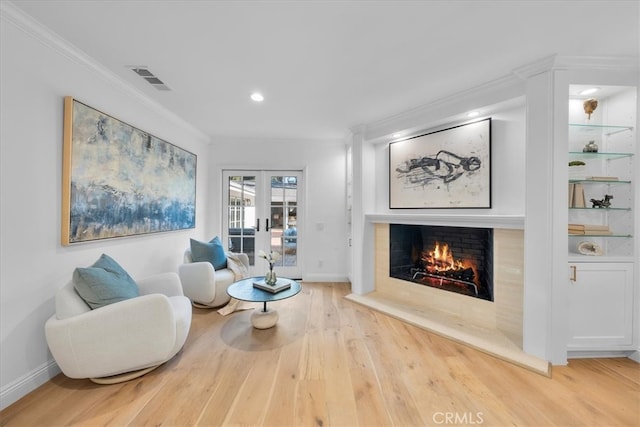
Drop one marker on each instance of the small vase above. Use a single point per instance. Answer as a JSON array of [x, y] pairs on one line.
[[270, 278]]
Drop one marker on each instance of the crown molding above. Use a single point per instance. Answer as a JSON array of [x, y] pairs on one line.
[[444, 110], [27, 24], [569, 63], [534, 68], [495, 92]]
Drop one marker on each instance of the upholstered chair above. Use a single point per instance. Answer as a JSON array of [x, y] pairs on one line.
[[121, 340], [205, 286]]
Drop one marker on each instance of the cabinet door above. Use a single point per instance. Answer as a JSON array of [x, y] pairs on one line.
[[601, 306]]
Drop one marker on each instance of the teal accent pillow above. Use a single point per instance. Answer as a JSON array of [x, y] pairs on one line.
[[104, 283], [212, 252]]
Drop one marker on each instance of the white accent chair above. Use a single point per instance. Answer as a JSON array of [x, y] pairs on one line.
[[206, 287], [123, 340]]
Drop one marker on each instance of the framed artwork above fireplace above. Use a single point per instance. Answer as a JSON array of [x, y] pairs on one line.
[[449, 168]]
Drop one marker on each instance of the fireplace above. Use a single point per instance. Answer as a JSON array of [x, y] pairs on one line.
[[454, 259], [493, 325]]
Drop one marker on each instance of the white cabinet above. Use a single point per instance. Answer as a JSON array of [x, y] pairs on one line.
[[601, 307]]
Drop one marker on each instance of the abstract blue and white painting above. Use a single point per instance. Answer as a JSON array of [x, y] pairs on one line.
[[122, 181]]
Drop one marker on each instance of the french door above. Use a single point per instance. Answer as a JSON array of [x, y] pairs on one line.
[[263, 211]]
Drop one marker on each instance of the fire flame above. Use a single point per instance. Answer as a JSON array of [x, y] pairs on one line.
[[441, 260]]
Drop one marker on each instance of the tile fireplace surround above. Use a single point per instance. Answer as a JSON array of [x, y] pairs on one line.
[[492, 327]]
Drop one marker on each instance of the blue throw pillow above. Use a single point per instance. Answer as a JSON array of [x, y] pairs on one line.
[[212, 252], [104, 283]]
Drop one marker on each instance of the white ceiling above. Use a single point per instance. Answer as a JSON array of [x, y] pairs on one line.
[[326, 66]]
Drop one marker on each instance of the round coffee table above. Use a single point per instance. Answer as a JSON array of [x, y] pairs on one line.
[[243, 290]]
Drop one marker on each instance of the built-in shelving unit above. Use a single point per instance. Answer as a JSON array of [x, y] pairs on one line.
[[606, 172], [601, 201]]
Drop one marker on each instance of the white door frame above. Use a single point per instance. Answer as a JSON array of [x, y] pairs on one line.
[[259, 237]]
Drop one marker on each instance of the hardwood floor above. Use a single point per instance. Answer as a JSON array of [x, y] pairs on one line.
[[331, 362]]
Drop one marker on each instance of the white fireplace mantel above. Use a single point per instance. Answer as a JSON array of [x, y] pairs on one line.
[[451, 220]]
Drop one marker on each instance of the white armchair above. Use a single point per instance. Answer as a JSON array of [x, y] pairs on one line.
[[207, 287], [123, 340]]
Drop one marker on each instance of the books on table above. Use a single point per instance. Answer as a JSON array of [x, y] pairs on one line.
[[280, 285], [597, 229]]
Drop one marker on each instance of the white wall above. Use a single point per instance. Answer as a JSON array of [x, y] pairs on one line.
[[324, 167], [37, 71]]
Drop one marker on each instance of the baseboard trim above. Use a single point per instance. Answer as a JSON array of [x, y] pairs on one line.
[[315, 277], [635, 356], [15, 390], [599, 354]]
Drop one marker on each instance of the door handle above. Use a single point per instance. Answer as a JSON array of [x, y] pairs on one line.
[[573, 273], [258, 224], [267, 220]]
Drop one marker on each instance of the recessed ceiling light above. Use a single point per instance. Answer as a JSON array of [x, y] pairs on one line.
[[397, 135], [473, 114], [257, 97], [590, 91]]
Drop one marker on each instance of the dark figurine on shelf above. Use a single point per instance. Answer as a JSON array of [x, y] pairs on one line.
[[604, 203]]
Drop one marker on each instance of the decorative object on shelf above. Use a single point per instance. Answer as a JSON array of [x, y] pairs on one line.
[[449, 168], [590, 147], [604, 203], [590, 248], [272, 257], [576, 195], [590, 106], [596, 229], [577, 169], [603, 178], [119, 181]]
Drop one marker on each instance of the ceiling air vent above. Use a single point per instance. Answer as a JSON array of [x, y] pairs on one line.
[[150, 78]]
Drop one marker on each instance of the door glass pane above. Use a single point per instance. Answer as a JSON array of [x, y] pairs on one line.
[[284, 193], [242, 215]]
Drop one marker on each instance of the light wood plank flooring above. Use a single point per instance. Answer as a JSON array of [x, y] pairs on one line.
[[331, 362]]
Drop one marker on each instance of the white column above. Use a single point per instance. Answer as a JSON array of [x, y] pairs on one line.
[[363, 198]]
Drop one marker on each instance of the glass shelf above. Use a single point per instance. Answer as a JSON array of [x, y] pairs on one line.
[[600, 209], [600, 235], [581, 155], [606, 129], [598, 181]]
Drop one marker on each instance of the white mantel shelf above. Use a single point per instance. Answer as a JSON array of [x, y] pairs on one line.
[[451, 220]]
